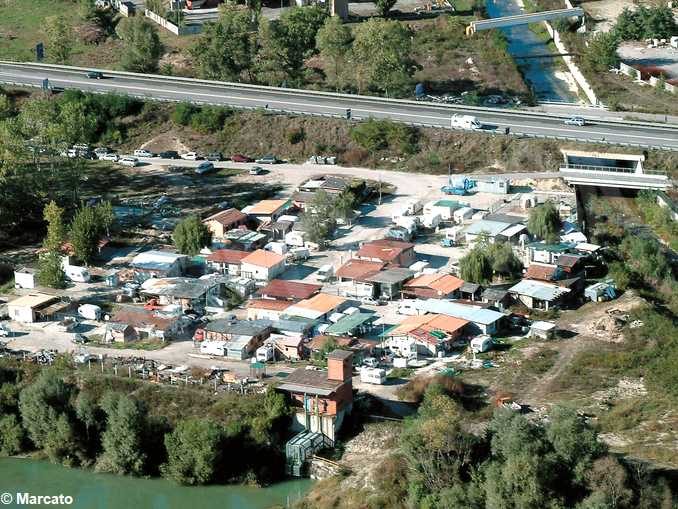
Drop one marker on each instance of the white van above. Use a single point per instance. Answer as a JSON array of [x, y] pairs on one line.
[[375, 376], [265, 353], [89, 312], [325, 273], [77, 274]]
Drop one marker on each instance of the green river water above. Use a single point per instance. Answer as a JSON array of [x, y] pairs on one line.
[[100, 491]]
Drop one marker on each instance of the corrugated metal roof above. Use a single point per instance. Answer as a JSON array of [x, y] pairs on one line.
[[263, 258], [393, 275], [538, 290], [475, 314], [492, 228], [443, 283], [316, 306], [358, 269], [265, 207], [294, 290], [347, 324]]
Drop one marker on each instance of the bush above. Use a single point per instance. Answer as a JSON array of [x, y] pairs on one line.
[[209, 119], [375, 135], [183, 113], [296, 135]]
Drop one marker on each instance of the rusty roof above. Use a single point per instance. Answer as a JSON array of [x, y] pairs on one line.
[[227, 217], [263, 258], [230, 256], [359, 269], [270, 304], [140, 317], [384, 249], [442, 283], [541, 271], [428, 323], [310, 381], [292, 290]]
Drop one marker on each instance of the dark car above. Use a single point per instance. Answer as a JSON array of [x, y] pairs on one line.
[[267, 159], [214, 156], [169, 154], [239, 158], [95, 75]]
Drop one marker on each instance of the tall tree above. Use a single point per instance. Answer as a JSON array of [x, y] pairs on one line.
[[77, 123], [191, 235], [334, 42], [601, 53], [87, 229], [193, 451], [226, 49], [476, 266], [123, 449], [50, 272], [142, 44], [504, 261], [544, 222], [60, 39], [381, 57]]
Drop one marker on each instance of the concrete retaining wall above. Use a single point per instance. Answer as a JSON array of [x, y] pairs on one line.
[[572, 66], [168, 25], [636, 75]]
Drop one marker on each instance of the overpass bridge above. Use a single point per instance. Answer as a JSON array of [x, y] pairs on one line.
[[522, 19], [619, 171]]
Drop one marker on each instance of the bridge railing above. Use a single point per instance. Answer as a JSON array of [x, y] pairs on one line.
[[610, 169]]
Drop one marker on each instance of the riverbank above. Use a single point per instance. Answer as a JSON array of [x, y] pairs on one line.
[[106, 491]]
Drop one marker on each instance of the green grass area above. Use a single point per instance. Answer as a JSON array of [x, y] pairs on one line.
[[228, 172], [400, 373], [141, 344]]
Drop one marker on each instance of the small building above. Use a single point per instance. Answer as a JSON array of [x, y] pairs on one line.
[[321, 399], [539, 294], [444, 208], [353, 277], [188, 293], [266, 309], [481, 320], [543, 272], [119, 332], [598, 292], [25, 277], [388, 284], [27, 309], [242, 337], [545, 253], [572, 265], [262, 265], [470, 291], [288, 347], [292, 291], [319, 307], [493, 185], [226, 261], [498, 298], [495, 231], [267, 211], [224, 221], [390, 252], [242, 239], [159, 264], [425, 334], [543, 330], [149, 324], [433, 286]]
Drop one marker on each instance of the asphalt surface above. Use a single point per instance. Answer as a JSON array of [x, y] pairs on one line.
[[521, 123]]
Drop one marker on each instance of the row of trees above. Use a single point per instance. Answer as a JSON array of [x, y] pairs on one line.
[[141, 43], [90, 424], [517, 463], [242, 46]]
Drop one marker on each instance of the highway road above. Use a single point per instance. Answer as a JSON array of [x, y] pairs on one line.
[[520, 123]]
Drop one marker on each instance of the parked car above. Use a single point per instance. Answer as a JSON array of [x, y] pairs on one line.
[[95, 75], [142, 152], [578, 121], [267, 159], [129, 161], [204, 168], [169, 154], [370, 301], [256, 170], [190, 156], [239, 158], [214, 156], [79, 339], [100, 151], [110, 157]]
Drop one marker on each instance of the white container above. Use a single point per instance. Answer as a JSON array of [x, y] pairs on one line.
[[431, 221], [276, 247], [481, 343], [399, 362], [77, 274], [325, 273], [213, 348], [265, 353], [375, 376], [295, 238], [90, 312]]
